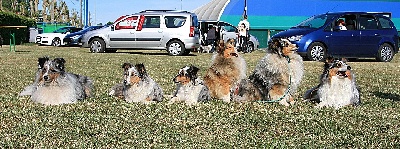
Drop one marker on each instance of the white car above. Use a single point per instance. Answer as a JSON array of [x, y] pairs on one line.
[[55, 38]]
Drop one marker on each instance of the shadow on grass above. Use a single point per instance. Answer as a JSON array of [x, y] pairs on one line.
[[390, 96]]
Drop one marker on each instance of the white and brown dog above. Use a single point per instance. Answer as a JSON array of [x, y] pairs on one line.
[[189, 88], [137, 86], [226, 70], [276, 76], [54, 86], [337, 86]]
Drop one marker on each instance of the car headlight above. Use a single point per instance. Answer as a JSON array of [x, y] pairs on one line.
[[295, 38], [76, 36]]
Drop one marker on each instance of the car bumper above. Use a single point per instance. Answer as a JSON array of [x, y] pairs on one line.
[[70, 41], [191, 43]]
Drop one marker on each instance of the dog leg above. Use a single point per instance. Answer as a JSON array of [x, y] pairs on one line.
[[277, 92]]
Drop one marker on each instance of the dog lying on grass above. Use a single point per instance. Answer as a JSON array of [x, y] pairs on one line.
[[337, 86], [54, 86]]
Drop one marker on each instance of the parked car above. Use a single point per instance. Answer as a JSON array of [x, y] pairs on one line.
[[368, 35], [55, 38], [174, 31], [227, 31], [75, 38]]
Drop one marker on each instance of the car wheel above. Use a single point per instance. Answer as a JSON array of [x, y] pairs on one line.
[[97, 45], [56, 42], [250, 47], [316, 52], [175, 48], [385, 53]]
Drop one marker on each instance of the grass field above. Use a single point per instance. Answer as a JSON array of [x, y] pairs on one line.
[[107, 122]]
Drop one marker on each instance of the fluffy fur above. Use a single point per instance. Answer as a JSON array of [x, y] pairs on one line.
[[337, 86], [137, 86], [227, 69], [54, 86], [276, 76], [189, 88]]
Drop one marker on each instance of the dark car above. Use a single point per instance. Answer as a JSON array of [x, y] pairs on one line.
[[365, 35], [74, 38]]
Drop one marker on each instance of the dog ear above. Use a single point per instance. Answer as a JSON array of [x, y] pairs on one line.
[[141, 69], [59, 63], [274, 46], [221, 46], [41, 61], [126, 66], [193, 73]]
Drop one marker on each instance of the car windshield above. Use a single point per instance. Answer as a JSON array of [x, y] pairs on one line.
[[62, 30], [315, 21]]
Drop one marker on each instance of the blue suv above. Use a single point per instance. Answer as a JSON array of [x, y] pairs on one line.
[[345, 35]]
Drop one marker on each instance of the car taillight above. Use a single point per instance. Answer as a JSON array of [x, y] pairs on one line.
[[191, 34]]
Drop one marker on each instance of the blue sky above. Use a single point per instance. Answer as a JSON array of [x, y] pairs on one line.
[[103, 11]]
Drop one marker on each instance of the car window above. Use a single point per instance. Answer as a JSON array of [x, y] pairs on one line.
[[228, 28], [367, 22], [127, 23], [385, 23], [151, 22], [315, 21], [175, 21]]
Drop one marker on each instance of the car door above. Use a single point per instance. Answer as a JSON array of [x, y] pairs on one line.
[[151, 34], [342, 42], [370, 36], [122, 35]]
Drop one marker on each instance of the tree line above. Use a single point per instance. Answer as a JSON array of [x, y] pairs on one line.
[[51, 11]]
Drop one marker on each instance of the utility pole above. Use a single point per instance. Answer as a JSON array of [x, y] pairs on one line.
[[80, 14]]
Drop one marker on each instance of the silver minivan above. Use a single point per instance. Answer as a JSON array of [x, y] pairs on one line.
[[174, 31]]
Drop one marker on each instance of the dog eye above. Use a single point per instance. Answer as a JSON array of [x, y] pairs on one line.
[[52, 70]]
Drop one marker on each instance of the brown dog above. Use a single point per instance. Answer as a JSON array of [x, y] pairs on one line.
[[227, 69]]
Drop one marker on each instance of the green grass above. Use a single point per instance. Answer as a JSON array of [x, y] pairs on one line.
[[107, 122]]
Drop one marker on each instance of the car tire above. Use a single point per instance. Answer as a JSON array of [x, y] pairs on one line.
[[176, 48], [56, 42], [97, 45], [250, 47], [316, 52], [385, 53]]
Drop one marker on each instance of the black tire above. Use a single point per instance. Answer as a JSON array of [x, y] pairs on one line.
[[97, 45], [176, 48], [250, 47], [316, 52], [56, 42], [385, 53]]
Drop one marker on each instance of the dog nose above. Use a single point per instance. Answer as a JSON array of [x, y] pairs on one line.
[[125, 81], [45, 77]]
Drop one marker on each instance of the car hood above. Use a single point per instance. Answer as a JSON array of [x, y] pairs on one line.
[[293, 32]]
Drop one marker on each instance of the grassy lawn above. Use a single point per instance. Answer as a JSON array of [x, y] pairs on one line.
[[107, 122]]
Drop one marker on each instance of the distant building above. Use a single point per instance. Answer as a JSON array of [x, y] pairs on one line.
[[268, 17]]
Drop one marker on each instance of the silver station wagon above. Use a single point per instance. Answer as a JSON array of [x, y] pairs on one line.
[[174, 31]]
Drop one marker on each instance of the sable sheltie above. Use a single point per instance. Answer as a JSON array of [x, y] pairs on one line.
[[226, 70], [53, 86], [189, 88], [276, 76], [337, 86], [137, 86]]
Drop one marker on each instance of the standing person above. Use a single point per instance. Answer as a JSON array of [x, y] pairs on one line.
[[243, 27], [211, 36]]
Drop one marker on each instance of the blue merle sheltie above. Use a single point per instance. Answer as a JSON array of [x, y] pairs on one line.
[[189, 88], [54, 86], [337, 87], [276, 76], [137, 85]]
